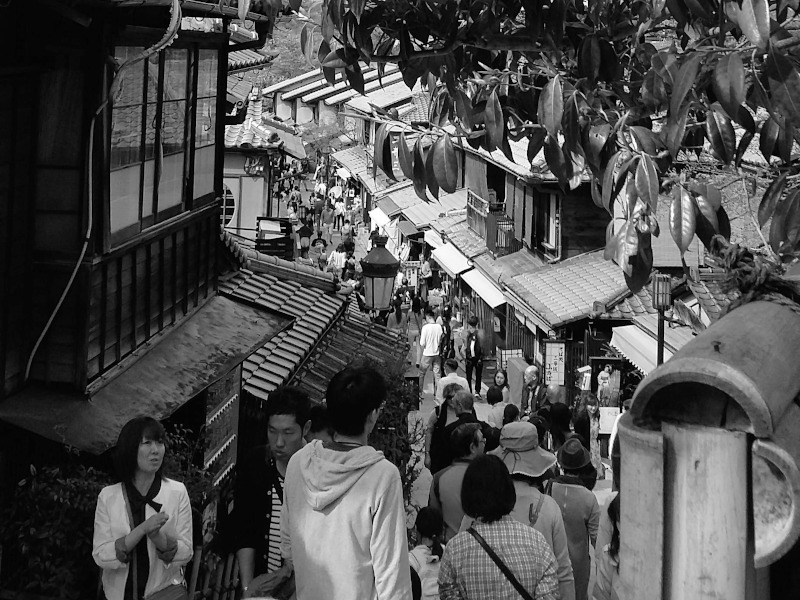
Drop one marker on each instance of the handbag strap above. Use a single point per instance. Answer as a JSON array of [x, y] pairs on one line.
[[134, 569], [506, 571]]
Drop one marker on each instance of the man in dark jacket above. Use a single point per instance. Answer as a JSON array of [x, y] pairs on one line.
[[258, 497], [473, 355]]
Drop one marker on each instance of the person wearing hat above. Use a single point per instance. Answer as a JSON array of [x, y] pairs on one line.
[[529, 465], [579, 508]]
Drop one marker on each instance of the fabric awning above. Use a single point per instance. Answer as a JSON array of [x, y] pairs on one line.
[[450, 259], [433, 239], [407, 228], [638, 347], [197, 352], [378, 217], [388, 207], [483, 286]]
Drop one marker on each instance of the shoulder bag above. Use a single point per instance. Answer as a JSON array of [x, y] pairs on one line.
[[171, 592], [502, 566]]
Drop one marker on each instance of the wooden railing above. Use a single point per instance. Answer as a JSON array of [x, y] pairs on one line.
[[490, 222]]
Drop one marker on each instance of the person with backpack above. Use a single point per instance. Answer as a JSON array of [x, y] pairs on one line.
[[425, 556], [529, 465]]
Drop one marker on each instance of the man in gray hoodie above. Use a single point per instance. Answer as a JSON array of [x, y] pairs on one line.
[[343, 524]]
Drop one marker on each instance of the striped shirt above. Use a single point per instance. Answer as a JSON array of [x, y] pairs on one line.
[[274, 534], [467, 572]]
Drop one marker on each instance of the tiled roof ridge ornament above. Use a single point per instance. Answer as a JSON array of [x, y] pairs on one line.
[[710, 449]]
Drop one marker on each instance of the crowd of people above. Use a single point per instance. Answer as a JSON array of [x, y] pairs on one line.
[[320, 513]]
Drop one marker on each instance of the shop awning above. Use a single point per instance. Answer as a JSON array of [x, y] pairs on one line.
[[638, 347], [196, 353], [407, 228], [451, 260], [388, 207], [484, 288], [378, 217], [433, 239]]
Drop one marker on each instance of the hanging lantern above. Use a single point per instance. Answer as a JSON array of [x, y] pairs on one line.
[[662, 291], [379, 268]]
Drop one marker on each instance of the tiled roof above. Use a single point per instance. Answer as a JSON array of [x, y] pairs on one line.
[[370, 75], [711, 297], [382, 98], [469, 243], [314, 312], [353, 338], [631, 306], [418, 109], [455, 222], [423, 214], [243, 60], [509, 265], [312, 86], [388, 207], [297, 80], [256, 131], [390, 75], [565, 292], [238, 88]]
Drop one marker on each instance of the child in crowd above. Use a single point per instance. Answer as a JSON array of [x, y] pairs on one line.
[[425, 557]]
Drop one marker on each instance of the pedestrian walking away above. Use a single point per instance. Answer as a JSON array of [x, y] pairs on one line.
[[343, 525]]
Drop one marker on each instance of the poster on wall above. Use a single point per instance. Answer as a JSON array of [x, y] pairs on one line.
[[555, 355], [606, 375]]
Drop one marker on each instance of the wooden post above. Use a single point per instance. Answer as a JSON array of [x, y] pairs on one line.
[[708, 534]]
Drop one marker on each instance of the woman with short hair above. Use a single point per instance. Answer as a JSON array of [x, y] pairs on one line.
[[143, 523], [469, 571]]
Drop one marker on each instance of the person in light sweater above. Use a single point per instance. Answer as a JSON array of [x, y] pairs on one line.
[[343, 525]]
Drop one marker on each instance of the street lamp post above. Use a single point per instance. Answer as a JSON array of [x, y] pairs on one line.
[[662, 300], [379, 269]]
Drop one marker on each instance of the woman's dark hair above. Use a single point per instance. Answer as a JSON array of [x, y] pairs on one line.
[[510, 414], [494, 394], [352, 394], [430, 524], [416, 585], [505, 378], [614, 514], [559, 424], [289, 400], [487, 491], [126, 452]]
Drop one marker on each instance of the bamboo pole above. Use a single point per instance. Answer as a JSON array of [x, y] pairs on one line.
[[708, 537]]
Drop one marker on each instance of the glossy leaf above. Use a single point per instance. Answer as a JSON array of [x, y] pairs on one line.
[[682, 220], [707, 224], [675, 130], [335, 60], [357, 8], [576, 164], [355, 77], [744, 144], [792, 222], [405, 156], [378, 154], [305, 41], [647, 182], [597, 138], [685, 82], [536, 142], [330, 75], [430, 174], [494, 121], [768, 137], [778, 227], [445, 164], [752, 17], [724, 223], [721, 134], [647, 141], [745, 119], [770, 198], [666, 67], [597, 193], [556, 161], [728, 83], [784, 85], [419, 170], [464, 110], [324, 50], [589, 58], [551, 106], [609, 181], [641, 264]]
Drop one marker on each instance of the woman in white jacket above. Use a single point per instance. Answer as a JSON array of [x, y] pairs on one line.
[[158, 543]]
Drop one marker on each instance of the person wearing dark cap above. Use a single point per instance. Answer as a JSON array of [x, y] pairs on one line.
[[529, 465], [579, 508]]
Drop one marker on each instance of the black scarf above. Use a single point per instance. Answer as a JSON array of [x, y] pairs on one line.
[[137, 505]]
